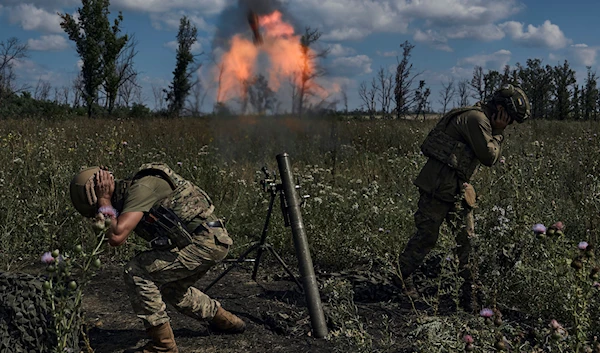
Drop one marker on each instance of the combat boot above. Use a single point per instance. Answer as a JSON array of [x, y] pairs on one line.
[[226, 322], [161, 340]]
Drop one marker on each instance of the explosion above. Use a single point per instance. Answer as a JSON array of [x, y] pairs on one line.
[[288, 58]]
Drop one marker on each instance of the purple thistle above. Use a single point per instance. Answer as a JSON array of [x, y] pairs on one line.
[[583, 245], [539, 228], [487, 313], [47, 258]]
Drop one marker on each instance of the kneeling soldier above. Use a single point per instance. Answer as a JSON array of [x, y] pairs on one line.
[[176, 217]]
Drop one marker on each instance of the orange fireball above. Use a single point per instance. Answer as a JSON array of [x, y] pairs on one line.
[[288, 59]]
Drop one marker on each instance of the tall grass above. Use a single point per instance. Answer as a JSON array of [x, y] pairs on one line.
[[359, 176]]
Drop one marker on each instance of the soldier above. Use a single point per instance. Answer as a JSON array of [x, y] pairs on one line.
[[176, 217], [461, 140]]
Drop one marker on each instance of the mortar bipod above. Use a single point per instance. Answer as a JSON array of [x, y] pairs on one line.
[[269, 184]]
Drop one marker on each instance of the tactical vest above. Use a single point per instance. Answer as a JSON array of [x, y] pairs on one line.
[[450, 151], [186, 200]]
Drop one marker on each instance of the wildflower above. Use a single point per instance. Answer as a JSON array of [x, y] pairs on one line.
[[558, 225], [596, 285], [381, 230], [179, 164], [554, 324], [487, 313], [583, 245], [47, 258], [468, 339], [124, 143], [539, 229], [502, 160]]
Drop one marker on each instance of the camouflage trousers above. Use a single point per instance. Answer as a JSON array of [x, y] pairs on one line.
[[428, 219], [155, 278]]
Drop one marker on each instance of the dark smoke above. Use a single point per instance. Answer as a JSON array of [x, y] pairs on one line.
[[234, 19]]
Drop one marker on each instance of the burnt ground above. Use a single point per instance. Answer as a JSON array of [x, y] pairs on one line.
[[273, 309]]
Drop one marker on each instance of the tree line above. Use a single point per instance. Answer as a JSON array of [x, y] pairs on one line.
[[108, 84]]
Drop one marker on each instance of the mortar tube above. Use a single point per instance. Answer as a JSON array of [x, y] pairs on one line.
[[305, 263]]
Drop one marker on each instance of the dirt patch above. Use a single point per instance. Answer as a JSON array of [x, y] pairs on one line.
[[273, 308]]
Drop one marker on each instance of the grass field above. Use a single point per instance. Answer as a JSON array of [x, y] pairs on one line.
[[358, 217]]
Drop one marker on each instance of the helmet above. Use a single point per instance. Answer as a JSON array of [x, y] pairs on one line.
[[514, 100], [82, 191]]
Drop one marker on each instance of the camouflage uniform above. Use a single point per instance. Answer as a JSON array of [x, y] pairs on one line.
[[167, 275], [444, 190]]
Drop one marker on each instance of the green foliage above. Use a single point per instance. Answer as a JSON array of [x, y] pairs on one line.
[[69, 273], [98, 45], [180, 87]]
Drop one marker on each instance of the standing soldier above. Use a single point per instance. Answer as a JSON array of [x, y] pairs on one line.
[[176, 217], [461, 140]]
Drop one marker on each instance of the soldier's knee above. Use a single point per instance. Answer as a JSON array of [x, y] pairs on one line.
[[131, 270]]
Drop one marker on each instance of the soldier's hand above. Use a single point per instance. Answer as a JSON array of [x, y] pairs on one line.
[[501, 120], [104, 185]]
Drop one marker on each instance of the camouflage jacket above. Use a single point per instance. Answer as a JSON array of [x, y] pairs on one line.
[[467, 141]]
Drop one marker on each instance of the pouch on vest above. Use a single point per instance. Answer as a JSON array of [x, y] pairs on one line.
[[469, 195], [219, 233], [450, 151]]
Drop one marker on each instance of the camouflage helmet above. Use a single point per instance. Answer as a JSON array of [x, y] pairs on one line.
[[82, 191], [514, 100]]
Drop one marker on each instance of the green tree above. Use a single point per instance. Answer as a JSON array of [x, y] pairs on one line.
[[589, 95], [492, 80], [403, 93], [564, 79], [181, 85], [99, 46], [262, 97], [576, 102], [88, 34]]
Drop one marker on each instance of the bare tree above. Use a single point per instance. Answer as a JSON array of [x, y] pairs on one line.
[[159, 97], [294, 92], [463, 93], [309, 69], [11, 50], [478, 83], [422, 99], [42, 90], [368, 94], [221, 67], [447, 94], [364, 96], [57, 95], [386, 83], [78, 89], [403, 93], [344, 94], [65, 94], [197, 97], [125, 76], [262, 98]]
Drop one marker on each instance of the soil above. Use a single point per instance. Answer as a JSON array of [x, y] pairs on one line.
[[273, 308]]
